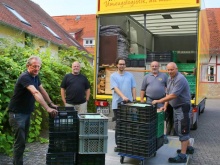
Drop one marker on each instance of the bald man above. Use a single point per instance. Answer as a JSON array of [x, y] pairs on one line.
[[154, 85], [178, 96], [75, 89]]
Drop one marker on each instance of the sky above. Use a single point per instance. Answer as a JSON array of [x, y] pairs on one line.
[[81, 7]]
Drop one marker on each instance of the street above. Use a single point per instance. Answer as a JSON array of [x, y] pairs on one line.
[[206, 143]]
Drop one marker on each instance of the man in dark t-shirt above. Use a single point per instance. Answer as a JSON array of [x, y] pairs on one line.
[[75, 89], [28, 88]]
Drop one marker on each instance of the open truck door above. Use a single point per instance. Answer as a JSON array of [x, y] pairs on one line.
[[146, 31]]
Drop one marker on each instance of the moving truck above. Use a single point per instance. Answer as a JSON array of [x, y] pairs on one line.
[[146, 30]]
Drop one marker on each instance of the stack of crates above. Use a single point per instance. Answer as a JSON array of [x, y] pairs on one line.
[[93, 136], [160, 129], [136, 60], [192, 83], [136, 129], [186, 67], [63, 137], [159, 56]]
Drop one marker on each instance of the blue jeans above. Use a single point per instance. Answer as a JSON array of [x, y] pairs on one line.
[[20, 124]]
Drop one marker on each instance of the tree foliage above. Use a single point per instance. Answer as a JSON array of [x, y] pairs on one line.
[[13, 63]]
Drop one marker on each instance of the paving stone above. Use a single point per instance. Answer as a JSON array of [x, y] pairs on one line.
[[207, 141]]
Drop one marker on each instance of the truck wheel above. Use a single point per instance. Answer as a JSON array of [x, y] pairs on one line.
[[195, 125]]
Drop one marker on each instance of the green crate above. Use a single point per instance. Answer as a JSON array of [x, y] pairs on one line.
[[160, 129], [185, 67], [191, 79], [192, 88], [160, 117], [160, 123], [137, 56]]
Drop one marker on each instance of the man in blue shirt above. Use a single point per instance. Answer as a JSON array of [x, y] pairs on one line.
[[178, 96], [123, 88]]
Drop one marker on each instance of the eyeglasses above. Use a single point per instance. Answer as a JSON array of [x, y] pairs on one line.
[[122, 64], [35, 66]]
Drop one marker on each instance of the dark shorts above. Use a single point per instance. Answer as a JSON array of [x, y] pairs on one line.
[[182, 121]]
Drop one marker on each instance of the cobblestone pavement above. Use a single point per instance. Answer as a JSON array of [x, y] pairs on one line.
[[207, 141], [207, 136]]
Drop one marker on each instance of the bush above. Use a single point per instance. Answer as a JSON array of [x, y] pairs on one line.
[[13, 63]]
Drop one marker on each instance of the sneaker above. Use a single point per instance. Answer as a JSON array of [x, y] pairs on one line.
[[190, 150], [177, 159], [116, 149], [165, 140]]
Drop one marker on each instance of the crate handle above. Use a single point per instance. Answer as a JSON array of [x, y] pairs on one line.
[[63, 113]]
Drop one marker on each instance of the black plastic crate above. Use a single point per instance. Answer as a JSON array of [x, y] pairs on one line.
[[65, 120], [160, 141], [135, 63], [90, 159], [128, 63], [133, 130], [64, 142], [131, 112], [143, 148], [141, 63], [159, 56], [66, 158]]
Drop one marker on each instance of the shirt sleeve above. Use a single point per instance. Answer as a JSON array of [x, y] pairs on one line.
[[87, 83], [144, 84], [133, 82], [113, 81], [63, 83], [26, 81]]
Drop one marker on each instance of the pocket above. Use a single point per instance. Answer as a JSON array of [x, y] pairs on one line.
[[185, 122]]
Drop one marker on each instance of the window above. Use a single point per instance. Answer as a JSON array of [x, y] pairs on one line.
[[209, 72], [51, 31], [88, 42], [17, 15], [73, 35]]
